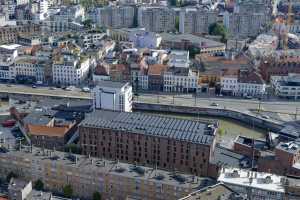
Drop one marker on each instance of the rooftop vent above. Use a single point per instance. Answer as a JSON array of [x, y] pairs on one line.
[[120, 169], [139, 170], [159, 177]]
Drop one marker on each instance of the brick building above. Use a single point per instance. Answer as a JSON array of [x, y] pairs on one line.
[[9, 34], [163, 142], [282, 67], [284, 161]]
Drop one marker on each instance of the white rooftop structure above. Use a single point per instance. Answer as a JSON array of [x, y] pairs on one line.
[[264, 184], [179, 59]]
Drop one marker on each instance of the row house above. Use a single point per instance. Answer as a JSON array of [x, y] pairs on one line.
[[70, 70], [242, 83]]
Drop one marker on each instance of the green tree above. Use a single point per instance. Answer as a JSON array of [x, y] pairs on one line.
[[97, 196], [218, 29], [39, 185], [87, 24], [68, 191], [193, 52], [173, 2], [177, 23], [11, 175]]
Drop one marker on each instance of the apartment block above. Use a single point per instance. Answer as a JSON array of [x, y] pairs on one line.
[[253, 185], [86, 175], [110, 95], [150, 140], [9, 34], [114, 16], [156, 19], [196, 21], [248, 19], [287, 86], [70, 69]]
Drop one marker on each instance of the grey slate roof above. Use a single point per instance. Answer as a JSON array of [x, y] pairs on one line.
[[153, 125]]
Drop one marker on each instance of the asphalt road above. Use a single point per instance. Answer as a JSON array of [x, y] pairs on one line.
[[43, 91], [243, 105]]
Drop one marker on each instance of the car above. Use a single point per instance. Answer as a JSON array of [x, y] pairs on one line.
[[265, 116], [52, 88], [8, 85], [214, 104], [33, 86], [86, 89]]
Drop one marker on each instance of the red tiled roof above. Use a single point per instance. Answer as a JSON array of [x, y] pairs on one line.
[[48, 131], [101, 70], [156, 69]]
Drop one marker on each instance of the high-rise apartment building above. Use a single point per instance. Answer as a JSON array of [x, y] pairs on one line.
[[248, 19], [114, 16], [196, 21], [157, 19]]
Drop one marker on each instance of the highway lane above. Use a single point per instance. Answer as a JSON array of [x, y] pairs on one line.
[[243, 105], [43, 91]]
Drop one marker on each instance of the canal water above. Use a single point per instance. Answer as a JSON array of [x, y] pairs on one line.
[[228, 129]]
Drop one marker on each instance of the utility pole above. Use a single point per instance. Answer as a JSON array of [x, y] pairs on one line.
[[296, 113]]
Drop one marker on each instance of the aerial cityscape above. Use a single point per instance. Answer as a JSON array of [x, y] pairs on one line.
[[149, 99]]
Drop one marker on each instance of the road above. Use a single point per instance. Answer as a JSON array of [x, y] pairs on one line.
[[44, 91], [243, 105]]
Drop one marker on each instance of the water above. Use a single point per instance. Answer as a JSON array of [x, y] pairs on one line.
[[229, 129]]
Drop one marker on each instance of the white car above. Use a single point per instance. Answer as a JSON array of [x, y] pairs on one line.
[[86, 89]]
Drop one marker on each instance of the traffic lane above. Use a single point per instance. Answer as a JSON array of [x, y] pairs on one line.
[[43, 90]]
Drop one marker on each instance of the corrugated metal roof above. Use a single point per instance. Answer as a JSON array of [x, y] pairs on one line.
[[170, 127]]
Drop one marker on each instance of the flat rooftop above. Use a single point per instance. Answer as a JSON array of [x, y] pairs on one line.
[[251, 179], [214, 192], [207, 43], [91, 165], [290, 147], [152, 125], [112, 84]]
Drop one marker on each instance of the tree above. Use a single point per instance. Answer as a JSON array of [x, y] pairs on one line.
[[39, 185], [218, 29], [11, 175], [68, 191], [177, 23], [97, 196], [87, 24], [173, 2], [193, 51]]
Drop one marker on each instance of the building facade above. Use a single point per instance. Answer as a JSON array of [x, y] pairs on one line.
[[286, 86], [149, 140], [253, 185], [114, 16], [156, 19], [114, 96], [86, 175], [70, 70], [196, 21]]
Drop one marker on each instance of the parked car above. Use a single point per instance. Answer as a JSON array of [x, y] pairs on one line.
[[265, 116], [33, 86], [86, 89], [214, 104]]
